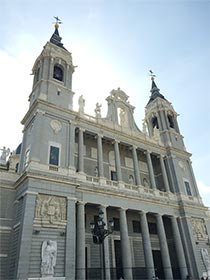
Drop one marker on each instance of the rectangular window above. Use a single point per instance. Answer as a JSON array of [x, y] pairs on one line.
[[152, 228], [54, 155], [116, 224], [187, 187], [136, 226], [113, 175]]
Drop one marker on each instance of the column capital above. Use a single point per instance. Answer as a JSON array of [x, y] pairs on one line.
[[146, 152], [158, 215], [142, 212], [161, 156], [81, 129], [99, 136], [103, 206], [72, 122], [79, 202], [29, 193], [133, 147], [121, 209], [115, 141], [172, 217], [72, 198]]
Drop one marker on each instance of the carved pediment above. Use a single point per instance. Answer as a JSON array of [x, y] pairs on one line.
[[119, 95]]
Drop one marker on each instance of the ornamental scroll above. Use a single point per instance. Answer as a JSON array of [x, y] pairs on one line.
[[199, 229], [50, 211]]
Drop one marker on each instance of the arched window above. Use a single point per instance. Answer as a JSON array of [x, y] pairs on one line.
[[155, 122], [58, 73], [171, 121], [36, 77]]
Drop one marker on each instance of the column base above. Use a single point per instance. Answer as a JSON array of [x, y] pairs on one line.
[[72, 170], [81, 175], [121, 184], [102, 180]]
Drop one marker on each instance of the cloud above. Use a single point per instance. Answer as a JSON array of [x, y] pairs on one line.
[[16, 85]]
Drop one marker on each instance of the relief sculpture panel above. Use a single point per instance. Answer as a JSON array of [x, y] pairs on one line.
[[199, 229], [50, 211]]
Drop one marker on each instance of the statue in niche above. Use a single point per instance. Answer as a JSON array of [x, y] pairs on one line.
[[144, 127], [131, 180], [49, 254], [206, 260], [123, 117], [4, 153], [81, 104], [98, 110], [145, 183]]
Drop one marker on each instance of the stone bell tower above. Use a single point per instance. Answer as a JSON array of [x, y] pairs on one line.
[[52, 72], [161, 122], [46, 123], [161, 119]]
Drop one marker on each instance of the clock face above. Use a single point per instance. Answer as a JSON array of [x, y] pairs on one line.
[[58, 73]]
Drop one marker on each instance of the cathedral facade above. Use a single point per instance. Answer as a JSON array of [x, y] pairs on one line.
[[70, 167]]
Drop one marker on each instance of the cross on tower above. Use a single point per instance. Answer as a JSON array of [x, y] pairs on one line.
[[152, 75]]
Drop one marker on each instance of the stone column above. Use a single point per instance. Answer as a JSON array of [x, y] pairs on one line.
[[125, 246], [179, 249], [80, 259], [159, 122], [165, 178], [26, 232], [100, 156], [70, 257], [71, 146], [51, 69], [117, 160], [80, 151], [136, 166], [150, 168], [147, 246], [106, 247], [163, 117], [164, 248]]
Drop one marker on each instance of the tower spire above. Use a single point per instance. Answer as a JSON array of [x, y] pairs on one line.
[[155, 92], [56, 39]]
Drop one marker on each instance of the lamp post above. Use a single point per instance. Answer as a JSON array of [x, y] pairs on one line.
[[100, 232]]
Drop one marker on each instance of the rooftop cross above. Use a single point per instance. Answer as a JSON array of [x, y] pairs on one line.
[[152, 75], [58, 21]]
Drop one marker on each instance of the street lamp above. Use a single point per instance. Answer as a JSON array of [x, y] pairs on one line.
[[99, 233]]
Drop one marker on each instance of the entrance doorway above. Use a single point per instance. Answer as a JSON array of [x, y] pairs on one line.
[[158, 264], [118, 259]]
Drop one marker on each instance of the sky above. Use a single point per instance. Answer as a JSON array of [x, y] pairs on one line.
[[115, 43]]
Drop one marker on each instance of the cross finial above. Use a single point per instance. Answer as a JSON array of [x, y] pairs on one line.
[[152, 75], [58, 21]]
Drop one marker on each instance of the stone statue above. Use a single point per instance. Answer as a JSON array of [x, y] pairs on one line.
[[81, 104], [4, 153], [49, 254], [122, 116], [206, 260], [98, 110], [145, 183]]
